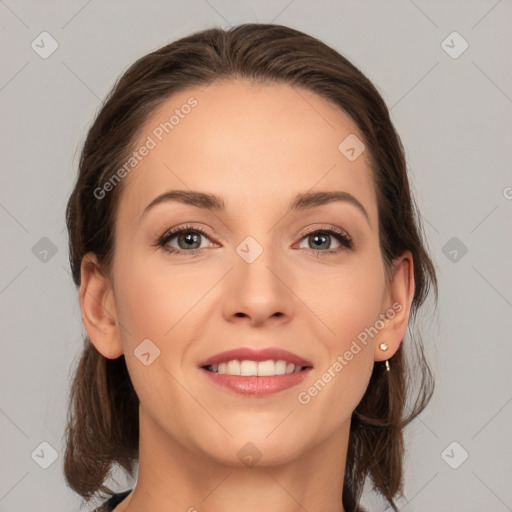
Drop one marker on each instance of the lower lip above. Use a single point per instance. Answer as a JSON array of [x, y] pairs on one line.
[[257, 385]]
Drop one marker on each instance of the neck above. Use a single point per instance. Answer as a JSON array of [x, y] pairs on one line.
[[172, 477]]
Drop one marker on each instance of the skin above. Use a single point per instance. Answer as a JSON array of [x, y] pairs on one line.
[[256, 146]]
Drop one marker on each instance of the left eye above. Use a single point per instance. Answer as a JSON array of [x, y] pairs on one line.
[[318, 239]]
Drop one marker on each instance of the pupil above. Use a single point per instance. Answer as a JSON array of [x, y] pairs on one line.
[[190, 237], [317, 237]]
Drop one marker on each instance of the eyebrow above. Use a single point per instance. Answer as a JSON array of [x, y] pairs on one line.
[[302, 201]]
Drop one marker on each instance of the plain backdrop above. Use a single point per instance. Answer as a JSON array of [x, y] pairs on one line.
[[442, 67]]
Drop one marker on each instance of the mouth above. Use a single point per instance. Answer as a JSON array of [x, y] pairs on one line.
[[257, 385], [246, 357], [256, 372], [249, 368]]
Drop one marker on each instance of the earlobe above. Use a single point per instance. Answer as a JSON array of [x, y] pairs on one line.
[[98, 309], [397, 308]]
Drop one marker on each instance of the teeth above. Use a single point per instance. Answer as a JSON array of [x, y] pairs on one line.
[[254, 368]]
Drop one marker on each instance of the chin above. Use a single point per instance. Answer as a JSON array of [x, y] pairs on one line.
[[258, 449]]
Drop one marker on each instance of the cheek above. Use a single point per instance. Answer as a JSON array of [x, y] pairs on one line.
[[352, 305], [356, 313], [140, 308], [352, 298], [151, 299]]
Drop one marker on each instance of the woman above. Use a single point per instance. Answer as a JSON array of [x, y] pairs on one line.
[[249, 258]]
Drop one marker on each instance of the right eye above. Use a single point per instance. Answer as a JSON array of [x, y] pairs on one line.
[[185, 235]]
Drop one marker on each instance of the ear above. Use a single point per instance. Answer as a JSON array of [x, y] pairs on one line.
[[98, 309], [396, 307]]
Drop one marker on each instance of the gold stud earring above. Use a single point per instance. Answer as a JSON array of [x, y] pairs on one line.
[[384, 346]]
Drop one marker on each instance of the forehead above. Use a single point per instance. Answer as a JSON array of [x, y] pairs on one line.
[[252, 144]]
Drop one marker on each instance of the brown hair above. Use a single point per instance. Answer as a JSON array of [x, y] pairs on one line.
[[103, 426]]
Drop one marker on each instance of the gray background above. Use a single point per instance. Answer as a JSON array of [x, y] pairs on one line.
[[453, 115]]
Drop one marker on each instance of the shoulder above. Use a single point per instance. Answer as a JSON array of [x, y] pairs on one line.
[[112, 502]]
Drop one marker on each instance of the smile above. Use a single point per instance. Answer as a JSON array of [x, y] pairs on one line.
[[258, 385], [249, 368]]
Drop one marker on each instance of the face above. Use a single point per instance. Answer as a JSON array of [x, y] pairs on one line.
[[253, 274]]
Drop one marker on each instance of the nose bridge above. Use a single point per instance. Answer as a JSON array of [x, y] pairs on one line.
[[254, 259]]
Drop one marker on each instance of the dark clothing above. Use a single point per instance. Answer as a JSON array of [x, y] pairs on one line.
[[112, 503]]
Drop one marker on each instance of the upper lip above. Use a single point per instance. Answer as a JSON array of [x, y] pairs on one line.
[[254, 354]]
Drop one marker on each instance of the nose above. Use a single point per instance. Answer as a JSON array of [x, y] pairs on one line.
[[258, 292]]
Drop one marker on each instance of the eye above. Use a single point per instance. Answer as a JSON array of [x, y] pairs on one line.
[[321, 240], [188, 239]]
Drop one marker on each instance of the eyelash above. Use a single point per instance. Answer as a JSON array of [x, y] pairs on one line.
[[339, 235]]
